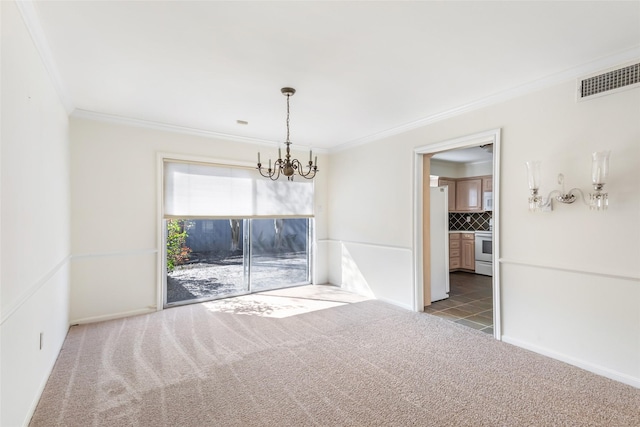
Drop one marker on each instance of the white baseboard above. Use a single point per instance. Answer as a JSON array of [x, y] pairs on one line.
[[94, 319], [388, 301], [40, 390], [396, 303], [587, 366]]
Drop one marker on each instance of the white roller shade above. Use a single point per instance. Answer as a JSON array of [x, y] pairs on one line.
[[205, 191]]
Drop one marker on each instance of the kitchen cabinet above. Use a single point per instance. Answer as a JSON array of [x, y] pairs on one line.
[[462, 251], [468, 252], [451, 184], [469, 195], [487, 184], [454, 251], [465, 194]]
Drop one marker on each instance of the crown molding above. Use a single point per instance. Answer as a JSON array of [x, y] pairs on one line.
[[632, 54], [165, 127], [30, 17], [148, 124]]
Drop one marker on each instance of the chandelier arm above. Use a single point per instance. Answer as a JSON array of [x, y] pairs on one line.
[[272, 174], [308, 174]]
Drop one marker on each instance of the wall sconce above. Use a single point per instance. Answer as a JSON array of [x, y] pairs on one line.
[[597, 200]]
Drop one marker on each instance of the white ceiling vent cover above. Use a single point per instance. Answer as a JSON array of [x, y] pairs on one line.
[[609, 82]]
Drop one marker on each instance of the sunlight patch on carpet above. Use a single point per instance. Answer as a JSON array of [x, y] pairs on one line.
[[270, 306]]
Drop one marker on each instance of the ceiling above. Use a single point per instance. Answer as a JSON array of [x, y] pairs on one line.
[[466, 155], [361, 69]]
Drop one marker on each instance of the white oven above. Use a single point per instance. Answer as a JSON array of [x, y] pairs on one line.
[[484, 253]]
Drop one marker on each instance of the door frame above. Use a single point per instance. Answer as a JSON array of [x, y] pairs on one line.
[[421, 215]]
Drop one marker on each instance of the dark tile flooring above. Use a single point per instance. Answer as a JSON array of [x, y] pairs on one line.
[[470, 301]]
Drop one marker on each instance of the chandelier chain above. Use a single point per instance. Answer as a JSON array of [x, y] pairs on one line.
[[288, 96]]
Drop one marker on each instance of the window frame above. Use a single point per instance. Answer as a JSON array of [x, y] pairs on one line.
[[161, 267]]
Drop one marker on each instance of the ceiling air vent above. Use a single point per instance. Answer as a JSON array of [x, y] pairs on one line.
[[606, 83]]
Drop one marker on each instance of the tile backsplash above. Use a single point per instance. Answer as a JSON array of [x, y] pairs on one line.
[[479, 221]]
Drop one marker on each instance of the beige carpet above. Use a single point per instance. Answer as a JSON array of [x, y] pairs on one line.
[[315, 356]]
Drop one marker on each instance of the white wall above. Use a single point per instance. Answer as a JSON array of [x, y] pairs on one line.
[[571, 278], [370, 221], [446, 169], [478, 169], [34, 225], [114, 182], [460, 170]]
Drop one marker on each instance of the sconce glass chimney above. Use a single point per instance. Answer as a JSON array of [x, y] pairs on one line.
[[600, 167], [599, 174], [533, 169]]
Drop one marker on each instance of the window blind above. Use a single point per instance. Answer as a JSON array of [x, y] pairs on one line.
[[195, 190]]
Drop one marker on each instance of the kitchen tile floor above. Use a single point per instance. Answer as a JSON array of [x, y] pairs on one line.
[[470, 301]]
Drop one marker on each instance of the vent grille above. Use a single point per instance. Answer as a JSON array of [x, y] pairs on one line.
[[609, 81]]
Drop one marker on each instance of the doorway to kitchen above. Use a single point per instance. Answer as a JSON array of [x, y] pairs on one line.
[[467, 170], [470, 302]]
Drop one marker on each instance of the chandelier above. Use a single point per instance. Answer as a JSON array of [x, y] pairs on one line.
[[287, 166]]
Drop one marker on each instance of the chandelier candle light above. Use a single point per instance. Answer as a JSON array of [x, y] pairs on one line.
[[597, 200], [287, 166]]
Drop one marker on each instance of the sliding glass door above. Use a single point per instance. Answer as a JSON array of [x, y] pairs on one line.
[[212, 258], [205, 259], [229, 231], [280, 255]]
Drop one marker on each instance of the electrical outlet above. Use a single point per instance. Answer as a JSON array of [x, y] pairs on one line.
[[468, 219]]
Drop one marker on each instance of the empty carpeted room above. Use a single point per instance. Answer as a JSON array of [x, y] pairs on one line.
[[159, 267]]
